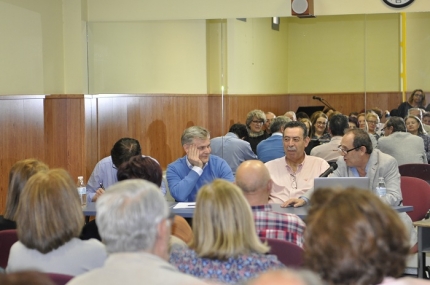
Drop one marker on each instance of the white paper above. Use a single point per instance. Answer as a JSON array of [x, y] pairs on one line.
[[185, 205]]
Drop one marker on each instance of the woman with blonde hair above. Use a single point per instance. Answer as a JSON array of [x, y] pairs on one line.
[[308, 123], [362, 124], [19, 174], [372, 120], [415, 127], [49, 222], [225, 247]]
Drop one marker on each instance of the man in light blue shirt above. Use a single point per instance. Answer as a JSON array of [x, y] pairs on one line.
[[105, 171], [273, 147], [232, 147]]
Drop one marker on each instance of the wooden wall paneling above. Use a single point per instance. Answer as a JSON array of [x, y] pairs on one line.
[[159, 134], [66, 133], [112, 123], [55, 118], [383, 100], [21, 122], [180, 112], [218, 121], [118, 117], [91, 136]]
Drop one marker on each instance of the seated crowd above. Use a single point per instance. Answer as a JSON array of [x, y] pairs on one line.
[[348, 237]]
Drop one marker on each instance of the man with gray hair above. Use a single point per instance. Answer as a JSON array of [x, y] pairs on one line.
[[272, 147], [133, 220], [187, 174], [403, 146]]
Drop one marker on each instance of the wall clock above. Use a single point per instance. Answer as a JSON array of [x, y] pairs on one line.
[[398, 3]]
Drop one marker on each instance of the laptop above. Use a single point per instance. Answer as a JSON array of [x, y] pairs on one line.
[[341, 182]]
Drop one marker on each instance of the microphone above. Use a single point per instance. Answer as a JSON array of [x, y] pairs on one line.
[[316, 98], [329, 170]]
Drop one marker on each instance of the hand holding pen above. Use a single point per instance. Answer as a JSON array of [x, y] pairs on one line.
[[99, 192]]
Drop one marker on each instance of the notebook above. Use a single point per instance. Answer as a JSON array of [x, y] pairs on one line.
[[341, 182]]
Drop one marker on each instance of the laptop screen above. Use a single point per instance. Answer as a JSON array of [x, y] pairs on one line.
[[341, 182]]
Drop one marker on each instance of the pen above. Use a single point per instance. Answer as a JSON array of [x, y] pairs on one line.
[[101, 185]]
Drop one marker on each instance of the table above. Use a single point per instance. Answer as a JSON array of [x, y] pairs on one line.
[[423, 244], [302, 212]]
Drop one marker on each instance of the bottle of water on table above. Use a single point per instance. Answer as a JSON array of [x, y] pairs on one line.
[[381, 190], [82, 191]]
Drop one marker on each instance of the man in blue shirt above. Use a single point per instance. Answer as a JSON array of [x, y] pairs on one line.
[[105, 171], [273, 147], [186, 175], [232, 147]]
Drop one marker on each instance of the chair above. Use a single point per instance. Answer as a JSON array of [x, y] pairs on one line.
[[7, 239], [59, 279], [290, 254], [417, 170], [416, 193]]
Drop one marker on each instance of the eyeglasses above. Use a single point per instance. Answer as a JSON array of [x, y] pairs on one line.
[[371, 122], [257, 122], [294, 181], [345, 151]]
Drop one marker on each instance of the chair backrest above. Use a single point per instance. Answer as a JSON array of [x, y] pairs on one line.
[[7, 239], [416, 193], [290, 254], [417, 170], [59, 279]]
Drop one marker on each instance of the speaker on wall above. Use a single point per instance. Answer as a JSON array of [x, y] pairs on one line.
[[302, 8]]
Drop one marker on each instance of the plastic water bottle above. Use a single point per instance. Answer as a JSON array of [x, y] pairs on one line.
[[82, 191], [381, 190]]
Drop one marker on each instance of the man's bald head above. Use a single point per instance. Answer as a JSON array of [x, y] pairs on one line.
[[252, 176]]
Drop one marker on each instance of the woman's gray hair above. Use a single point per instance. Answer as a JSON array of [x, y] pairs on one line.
[[258, 114], [194, 132], [128, 214]]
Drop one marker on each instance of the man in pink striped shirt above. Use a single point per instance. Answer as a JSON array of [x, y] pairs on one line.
[[293, 175]]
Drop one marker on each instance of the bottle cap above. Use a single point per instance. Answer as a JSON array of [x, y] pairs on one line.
[[80, 177]]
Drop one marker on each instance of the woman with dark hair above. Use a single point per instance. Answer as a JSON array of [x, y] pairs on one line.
[[353, 122], [319, 127], [416, 100], [353, 237], [148, 169], [141, 167], [48, 224], [415, 127], [19, 174]]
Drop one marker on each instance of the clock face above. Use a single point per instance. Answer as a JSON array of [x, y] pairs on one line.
[[398, 3]]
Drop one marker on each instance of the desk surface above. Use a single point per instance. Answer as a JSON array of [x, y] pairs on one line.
[[302, 212]]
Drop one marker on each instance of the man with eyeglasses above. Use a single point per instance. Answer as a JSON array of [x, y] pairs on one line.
[[105, 171], [359, 159], [403, 146], [293, 175]]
